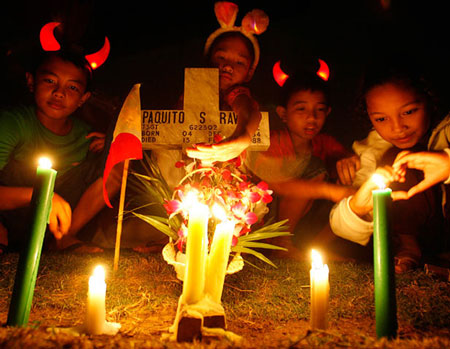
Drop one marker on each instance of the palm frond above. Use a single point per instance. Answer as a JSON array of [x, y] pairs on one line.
[[160, 223], [241, 249], [261, 245]]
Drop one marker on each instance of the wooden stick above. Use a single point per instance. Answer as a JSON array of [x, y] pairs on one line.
[[120, 215]]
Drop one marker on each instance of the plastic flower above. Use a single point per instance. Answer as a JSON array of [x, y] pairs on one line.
[[172, 206], [222, 184]]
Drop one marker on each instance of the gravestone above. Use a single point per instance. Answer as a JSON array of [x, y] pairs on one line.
[[200, 120]]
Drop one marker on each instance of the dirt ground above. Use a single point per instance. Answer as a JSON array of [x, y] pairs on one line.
[[260, 310]]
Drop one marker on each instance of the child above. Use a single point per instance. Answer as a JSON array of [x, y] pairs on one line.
[[235, 52], [402, 110], [60, 85], [294, 166]]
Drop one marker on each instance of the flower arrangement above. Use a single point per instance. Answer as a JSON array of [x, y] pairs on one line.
[[222, 185]]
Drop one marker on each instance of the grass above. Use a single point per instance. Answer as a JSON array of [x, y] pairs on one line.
[[268, 307]]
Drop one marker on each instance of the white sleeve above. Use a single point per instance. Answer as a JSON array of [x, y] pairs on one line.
[[447, 150], [346, 224]]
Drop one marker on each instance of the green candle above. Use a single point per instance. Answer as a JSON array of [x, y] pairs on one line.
[[41, 201], [384, 279]]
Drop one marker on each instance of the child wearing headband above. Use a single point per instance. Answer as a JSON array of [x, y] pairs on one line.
[[235, 52], [298, 164]]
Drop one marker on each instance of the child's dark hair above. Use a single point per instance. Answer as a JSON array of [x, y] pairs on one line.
[[303, 82], [232, 34], [404, 73], [71, 56]]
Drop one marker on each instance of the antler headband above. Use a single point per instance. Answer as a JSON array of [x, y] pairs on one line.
[[49, 43], [254, 22]]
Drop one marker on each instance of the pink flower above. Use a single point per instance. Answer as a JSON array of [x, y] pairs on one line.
[[172, 206], [263, 185], [233, 195], [267, 198], [238, 209], [251, 218], [243, 185], [234, 241], [244, 230], [254, 197], [179, 164]]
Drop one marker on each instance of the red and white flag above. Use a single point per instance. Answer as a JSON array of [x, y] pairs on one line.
[[127, 142]]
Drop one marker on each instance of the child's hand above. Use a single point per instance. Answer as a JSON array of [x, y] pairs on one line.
[[225, 150], [361, 203], [435, 167], [346, 169], [98, 142], [60, 217]]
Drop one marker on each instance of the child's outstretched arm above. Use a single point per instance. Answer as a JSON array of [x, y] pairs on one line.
[[435, 166], [249, 117], [312, 189]]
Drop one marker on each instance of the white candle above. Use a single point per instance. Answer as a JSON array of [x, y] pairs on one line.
[[196, 253], [319, 292], [96, 314], [218, 260]]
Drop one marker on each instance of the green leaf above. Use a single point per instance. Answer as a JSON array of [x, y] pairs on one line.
[[159, 223], [262, 245], [257, 254], [262, 236], [273, 227]]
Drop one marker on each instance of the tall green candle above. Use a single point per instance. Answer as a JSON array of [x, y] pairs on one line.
[[40, 205], [384, 277]]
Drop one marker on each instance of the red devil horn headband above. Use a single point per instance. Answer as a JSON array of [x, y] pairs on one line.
[[49, 43], [324, 71], [280, 76]]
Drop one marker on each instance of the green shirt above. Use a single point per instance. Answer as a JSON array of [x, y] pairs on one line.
[[23, 139]]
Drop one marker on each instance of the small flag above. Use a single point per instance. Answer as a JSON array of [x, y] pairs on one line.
[[126, 142]]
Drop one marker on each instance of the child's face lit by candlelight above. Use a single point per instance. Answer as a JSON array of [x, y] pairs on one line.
[[233, 59], [305, 113], [59, 89], [398, 114]]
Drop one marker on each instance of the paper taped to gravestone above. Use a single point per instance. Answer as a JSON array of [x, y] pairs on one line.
[[200, 120]]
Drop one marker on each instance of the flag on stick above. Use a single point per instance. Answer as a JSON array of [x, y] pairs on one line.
[[127, 142]]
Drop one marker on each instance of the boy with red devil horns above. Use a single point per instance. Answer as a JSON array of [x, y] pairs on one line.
[[60, 83], [300, 162]]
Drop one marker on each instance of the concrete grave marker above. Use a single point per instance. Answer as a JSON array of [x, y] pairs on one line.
[[200, 118]]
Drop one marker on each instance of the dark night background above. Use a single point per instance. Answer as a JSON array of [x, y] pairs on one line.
[[152, 42]]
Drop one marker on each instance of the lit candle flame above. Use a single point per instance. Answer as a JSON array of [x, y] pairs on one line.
[[219, 212], [317, 262], [45, 163], [99, 273], [379, 180], [190, 199]]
